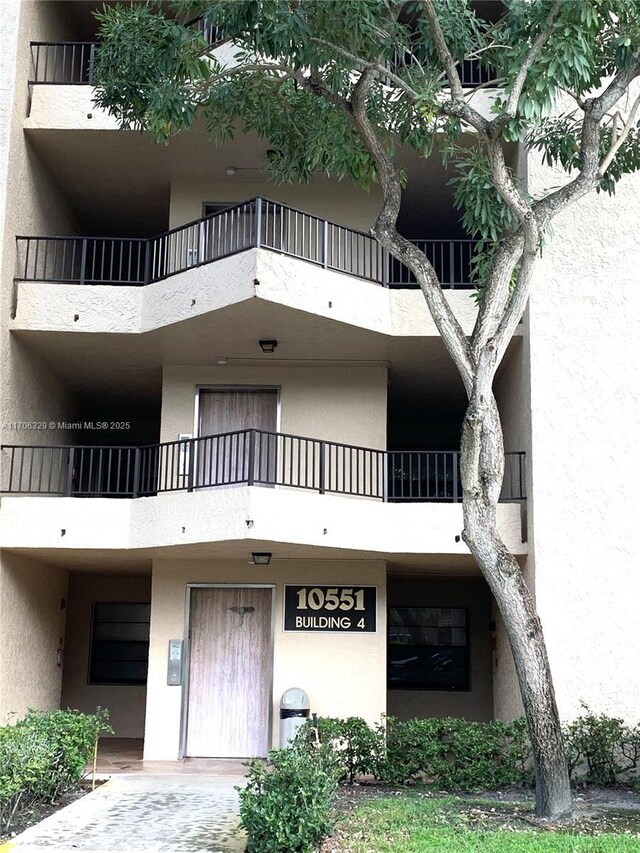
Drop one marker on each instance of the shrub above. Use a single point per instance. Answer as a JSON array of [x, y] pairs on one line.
[[602, 750], [43, 755], [351, 745], [287, 804], [455, 754]]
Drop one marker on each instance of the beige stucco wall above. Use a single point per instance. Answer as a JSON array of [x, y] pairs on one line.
[[585, 401], [345, 403], [513, 394], [475, 703], [125, 703], [184, 296], [344, 674], [339, 201], [32, 624], [31, 389], [9, 14]]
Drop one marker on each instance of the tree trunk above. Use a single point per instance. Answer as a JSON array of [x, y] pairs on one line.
[[482, 467]]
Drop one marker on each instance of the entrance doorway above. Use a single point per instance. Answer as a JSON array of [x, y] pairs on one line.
[[226, 415], [229, 672]]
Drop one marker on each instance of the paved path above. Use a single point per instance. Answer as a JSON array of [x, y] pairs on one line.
[[143, 814]]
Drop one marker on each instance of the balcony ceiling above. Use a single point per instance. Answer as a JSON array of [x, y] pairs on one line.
[[117, 367], [118, 182], [126, 562]]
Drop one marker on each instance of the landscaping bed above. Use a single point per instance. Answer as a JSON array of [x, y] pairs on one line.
[[380, 819], [36, 813], [42, 762], [440, 784]]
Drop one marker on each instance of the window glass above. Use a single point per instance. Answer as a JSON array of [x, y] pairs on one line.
[[427, 648], [119, 643]]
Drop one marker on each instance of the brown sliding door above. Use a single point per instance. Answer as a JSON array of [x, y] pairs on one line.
[[229, 672], [225, 415]]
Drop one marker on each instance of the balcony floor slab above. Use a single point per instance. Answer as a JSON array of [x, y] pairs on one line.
[[231, 522]]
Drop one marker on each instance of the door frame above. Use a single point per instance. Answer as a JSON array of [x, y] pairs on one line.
[[184, 710], [232, 387]]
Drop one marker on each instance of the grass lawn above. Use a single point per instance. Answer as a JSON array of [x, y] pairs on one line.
[[410, 823]]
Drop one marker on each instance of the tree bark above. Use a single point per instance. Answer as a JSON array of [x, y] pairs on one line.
[[482, 468], [482, 464]]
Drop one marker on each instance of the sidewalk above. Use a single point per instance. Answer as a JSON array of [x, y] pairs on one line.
[[143, 813]]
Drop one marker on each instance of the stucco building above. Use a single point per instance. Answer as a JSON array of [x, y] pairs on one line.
[[230, 428]]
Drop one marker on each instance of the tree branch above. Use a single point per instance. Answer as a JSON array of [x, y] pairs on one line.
[[363, 64], [617, 141], [447, 60], [518, 85], [237, 70], [587, 178], [384, 230]]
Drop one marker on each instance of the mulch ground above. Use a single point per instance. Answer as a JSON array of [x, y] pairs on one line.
[[29, 817]]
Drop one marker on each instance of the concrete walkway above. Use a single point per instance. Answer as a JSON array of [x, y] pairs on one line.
[[143, 813]]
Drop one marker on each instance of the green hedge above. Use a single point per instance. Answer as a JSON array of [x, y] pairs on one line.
[[287, 805], [42, 756], [351, 745], [457, 755], [602, 750]]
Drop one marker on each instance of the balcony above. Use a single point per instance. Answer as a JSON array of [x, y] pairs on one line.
[[70, 63], [256, 223], [245, 457]]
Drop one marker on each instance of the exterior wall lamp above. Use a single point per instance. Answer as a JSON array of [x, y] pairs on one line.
[[268, 346], [261, 558]]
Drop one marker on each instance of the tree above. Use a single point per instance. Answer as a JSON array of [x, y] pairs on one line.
[[337, 86]]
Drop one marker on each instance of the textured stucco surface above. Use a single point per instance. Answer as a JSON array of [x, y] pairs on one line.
[[253, 274], [344, 674], [220, 515], [328, 198], [346, 404], [31, 632], [9, 14], [30, 388], [67, 108], [125, 703], [72, 107], [585, 464]]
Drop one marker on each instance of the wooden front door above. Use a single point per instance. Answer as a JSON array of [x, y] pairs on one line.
[[225, 415], [229, 672]]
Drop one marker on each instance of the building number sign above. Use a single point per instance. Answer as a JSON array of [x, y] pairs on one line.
[[330, 608]]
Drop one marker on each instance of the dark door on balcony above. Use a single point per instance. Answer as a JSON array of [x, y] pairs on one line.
[[231, 454]]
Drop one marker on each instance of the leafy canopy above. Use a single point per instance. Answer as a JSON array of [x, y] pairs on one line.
[[295, 63]]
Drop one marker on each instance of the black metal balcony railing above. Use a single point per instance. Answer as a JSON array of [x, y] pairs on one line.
[[471, 72], [249, 457], [65, 63], [257, 223], [71, 62]]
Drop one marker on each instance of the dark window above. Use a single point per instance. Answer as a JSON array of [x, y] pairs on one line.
[[209, 207], [119, 643], [427, 648]]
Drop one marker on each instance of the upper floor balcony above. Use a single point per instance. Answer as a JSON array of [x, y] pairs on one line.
[[244, 457], [70, 63], [257, 223], [220, 493]]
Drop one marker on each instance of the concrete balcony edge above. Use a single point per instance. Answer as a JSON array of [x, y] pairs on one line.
[[170, 522], [252, 274]]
